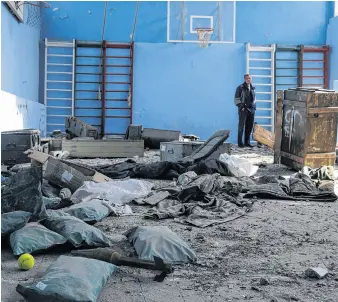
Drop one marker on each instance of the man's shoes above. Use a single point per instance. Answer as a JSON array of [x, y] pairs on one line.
[[240, 145], [248, 145]]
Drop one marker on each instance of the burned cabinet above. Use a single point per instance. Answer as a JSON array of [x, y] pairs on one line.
[[309, 127]]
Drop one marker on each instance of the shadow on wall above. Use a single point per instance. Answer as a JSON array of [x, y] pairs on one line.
[[20, 114]]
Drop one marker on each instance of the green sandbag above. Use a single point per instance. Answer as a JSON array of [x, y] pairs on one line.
[[90, 211], [13, 221], [75, 230], [69, 279], [34, 237], [160, 241]]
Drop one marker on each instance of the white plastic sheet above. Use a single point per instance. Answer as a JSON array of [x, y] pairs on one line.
[[239, 167], [118, 192]]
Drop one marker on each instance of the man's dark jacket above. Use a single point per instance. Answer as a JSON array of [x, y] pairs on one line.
[[245, 97]]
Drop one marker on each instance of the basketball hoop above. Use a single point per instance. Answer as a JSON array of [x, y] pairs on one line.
[[34, 12], [204, 35]]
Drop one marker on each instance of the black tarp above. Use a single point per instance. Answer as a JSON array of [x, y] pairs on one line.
[[22, 192], [162, 170], [298, 187]]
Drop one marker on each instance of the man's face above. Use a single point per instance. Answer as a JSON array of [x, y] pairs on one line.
[[247, 79]]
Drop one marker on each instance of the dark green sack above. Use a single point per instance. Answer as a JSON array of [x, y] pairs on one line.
[[22, 192], [69, 279], [90, 211], [34, 237], [75, 230], [13, 221], [160, 241]]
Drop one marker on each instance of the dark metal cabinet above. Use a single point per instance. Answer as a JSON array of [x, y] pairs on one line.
[[14, 143]]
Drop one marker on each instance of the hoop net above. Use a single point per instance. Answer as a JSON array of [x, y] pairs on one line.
[[34, 12], [204, 35]]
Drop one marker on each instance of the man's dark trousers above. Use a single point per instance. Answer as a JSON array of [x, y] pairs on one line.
[[245, 119]]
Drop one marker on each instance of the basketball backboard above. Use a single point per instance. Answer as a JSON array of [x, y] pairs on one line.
[[185, 16]]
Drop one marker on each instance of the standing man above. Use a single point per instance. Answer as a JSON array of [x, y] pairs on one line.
[[245, 100]]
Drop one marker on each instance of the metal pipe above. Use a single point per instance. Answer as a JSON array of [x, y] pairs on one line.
[[219, 20], [103, 96], [131, 81], [182, 20], [46, 57], [117, 45], [287, 47], [94, 44], [73, 77], [326, 67], [301, 65]]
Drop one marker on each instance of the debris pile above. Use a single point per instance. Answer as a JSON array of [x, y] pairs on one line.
[[56, 202]]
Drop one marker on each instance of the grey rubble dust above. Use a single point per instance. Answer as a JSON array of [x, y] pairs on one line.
[[261, 257]]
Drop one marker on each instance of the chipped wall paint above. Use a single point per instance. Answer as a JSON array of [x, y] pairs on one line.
[[20, 113]]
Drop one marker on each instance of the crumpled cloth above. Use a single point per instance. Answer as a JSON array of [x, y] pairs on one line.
[[201, 214], [208, 200], [322, 173], [299, 187]]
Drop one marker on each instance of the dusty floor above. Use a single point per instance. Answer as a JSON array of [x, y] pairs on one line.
[[277, 241]]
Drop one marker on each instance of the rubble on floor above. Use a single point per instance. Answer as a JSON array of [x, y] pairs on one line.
[[70, 207]]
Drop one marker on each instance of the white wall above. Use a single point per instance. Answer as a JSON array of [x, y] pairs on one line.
[[18, 113]]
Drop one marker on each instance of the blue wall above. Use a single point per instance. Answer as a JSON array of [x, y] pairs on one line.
[[301, 22], [332, 40], [83, 20], [282, 22], [19, 57], [180, 86]]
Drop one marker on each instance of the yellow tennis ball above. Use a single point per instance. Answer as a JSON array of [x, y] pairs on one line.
[[26, 262]]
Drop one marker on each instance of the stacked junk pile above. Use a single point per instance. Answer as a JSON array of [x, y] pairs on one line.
[[49, 200]]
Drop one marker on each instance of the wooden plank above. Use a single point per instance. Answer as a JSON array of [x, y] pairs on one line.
[[37, 156], [101, 148], [263, 136], [292, 157], [317, 160], [323, 110], [278, 126]]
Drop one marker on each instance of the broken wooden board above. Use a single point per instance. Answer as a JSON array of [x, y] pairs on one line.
[[263, 136], [41, 158], [103, 148]]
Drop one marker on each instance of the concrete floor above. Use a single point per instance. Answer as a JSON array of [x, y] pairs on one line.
[[278, 240]]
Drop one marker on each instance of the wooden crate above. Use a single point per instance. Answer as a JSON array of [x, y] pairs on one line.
[[308, 128]]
